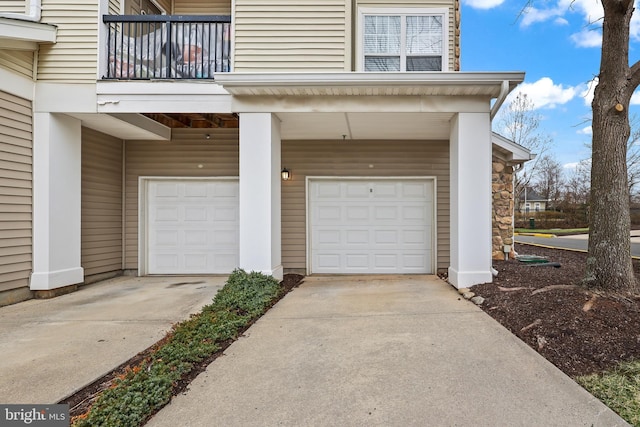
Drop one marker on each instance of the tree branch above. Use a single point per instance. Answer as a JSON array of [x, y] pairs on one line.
[[634, 77]]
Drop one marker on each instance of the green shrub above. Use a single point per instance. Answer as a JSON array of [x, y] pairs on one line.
[[147, 387]]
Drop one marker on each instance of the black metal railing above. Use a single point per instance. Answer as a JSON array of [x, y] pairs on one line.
[[142, 47]]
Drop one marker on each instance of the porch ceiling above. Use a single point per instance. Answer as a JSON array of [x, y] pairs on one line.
[[390, 126]]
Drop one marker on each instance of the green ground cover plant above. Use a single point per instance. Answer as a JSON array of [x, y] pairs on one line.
[[142, 390], [618, 388]]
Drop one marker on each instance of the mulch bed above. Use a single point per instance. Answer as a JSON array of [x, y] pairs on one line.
[[579, 331], [81, 401]]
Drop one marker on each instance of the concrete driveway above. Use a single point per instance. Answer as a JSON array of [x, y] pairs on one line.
[[51, 348], [371, 351]]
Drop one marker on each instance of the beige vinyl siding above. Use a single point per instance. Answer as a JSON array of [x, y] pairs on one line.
[[178, 157], [290, 35], [16, 186], [13, 6], [353, 158], [450, 5], [20, 62], [74, 56], [114, 7], [101, 203], [202, 7], [166, 5]]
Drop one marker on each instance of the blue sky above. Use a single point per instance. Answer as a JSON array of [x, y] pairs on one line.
[[557, 43]]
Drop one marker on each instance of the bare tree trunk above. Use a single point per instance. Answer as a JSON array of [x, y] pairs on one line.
[[609, 262]]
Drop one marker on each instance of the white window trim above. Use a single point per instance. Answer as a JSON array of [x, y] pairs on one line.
[[386, 11]]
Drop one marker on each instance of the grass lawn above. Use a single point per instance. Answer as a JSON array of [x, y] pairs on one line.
[[619, 389]]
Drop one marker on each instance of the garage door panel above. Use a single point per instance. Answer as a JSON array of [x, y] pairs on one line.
[[195, 261], [328, 237], [384, 191], [192, 227], [373, 226], [195, 213], [357, 213], [166, 214], [164, 238], [225, 214], [357, 190], [386, 237], [356, 261], [328, 261], [416, 213], [165, 190], [225, 239], [195, 238], [196, 190], [416, 191], [328, 190], [416, 261], [229, 190], [357, 237], [415, 237]]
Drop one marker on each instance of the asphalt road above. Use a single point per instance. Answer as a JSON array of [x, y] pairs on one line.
[[576, 243]]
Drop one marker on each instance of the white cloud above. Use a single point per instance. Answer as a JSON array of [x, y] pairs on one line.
[[635, 98], [483, 4], [587, 38], [532, 15], [571, 166], [591, 12], [587, 92], [545, 94], [585, 131]]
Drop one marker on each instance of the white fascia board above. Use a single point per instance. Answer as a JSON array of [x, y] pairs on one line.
[[519, 154], [473, 80], [126, 103], [14, 29], [168, 97], [154, 87], [65, 97], [16, 84]]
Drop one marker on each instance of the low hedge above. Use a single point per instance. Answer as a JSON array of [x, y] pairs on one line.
[[147, 387]]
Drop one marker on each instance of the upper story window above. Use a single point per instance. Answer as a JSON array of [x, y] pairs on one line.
[[403, 39]]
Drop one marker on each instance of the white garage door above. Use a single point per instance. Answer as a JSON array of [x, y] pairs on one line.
[[192, 226], [371, 226]]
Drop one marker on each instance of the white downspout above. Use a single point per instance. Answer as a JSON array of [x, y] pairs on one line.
[[34, 15], [504, 91]]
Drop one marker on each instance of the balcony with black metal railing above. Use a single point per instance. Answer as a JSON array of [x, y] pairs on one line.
[[168, 47]]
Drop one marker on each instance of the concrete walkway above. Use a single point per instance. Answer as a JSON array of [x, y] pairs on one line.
[[575, 242], [51, 348], [366, 351]]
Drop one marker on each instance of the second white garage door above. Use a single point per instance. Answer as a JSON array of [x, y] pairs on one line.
[[377, 226], [192, 226]]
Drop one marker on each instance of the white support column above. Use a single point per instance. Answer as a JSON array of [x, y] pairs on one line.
[[260, 199], [470, 168], [56, 202]]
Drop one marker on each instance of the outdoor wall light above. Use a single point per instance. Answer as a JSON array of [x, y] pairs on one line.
[[207, 136], [286, 174]]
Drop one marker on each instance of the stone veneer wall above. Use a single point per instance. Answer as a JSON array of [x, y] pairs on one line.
[[503, 204]]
